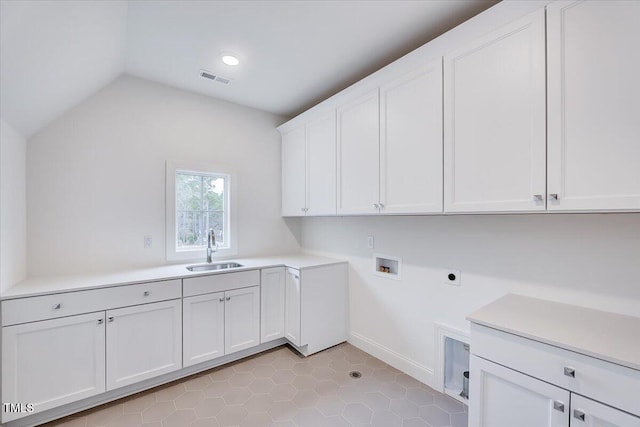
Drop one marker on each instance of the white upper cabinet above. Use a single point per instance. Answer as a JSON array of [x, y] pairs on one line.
[[411, 142], [309, 168], [594, 112], [293, 172], [321, 165], [358, 155], [538, 115], [494, 135]]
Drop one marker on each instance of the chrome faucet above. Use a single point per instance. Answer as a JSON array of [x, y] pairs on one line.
[[211, 244]]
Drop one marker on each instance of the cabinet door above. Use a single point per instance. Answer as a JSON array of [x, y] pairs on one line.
[[358, 156], [203, 328], [589, 413], [272, 304], [292, 306], [143, 341], [502, 397], [321, 165], [411, 142], [594, 64], [494, 135], [293, 173], [53, 362], [241, 319]]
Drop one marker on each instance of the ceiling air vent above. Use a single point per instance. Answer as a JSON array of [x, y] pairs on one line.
[[214, 77]]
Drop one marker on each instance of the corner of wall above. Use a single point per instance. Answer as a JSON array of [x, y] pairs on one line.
[[13, 207]]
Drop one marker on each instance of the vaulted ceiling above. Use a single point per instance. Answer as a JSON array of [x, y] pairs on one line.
[[54, 54]]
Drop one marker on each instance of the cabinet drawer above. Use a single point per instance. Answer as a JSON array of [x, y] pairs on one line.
[[603, 381], [23, 310], [220, 282]]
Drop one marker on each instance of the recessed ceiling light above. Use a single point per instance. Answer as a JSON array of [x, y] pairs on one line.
[[230, 59]]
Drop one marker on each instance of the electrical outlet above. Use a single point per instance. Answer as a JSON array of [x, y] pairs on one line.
[[370, 242], [453, 277], [148, 241]]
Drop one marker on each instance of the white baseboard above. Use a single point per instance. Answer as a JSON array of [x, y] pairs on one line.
[[402, 363]]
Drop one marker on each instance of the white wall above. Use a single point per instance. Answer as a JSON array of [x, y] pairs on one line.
[[587, 259], [13, 215], [95, 177]]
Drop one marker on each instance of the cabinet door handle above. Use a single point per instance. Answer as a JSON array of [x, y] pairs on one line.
[[302, 209], [553, 196], [110, 319], [146, 293], [569, 372], [376, 206], [228, 298], [537, 197], [100, 321], [221, 299], [57, 306], [558, 406], [380, 205], [578, 415]]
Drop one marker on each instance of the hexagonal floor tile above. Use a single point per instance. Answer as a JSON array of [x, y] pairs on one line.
[[231, 415], [281, 388], [357, 413], [330, 406], [209, 407], [237, 395], [261, 385], [435, 416], [189, 400]]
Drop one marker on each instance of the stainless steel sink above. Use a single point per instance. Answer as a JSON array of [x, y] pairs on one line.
[[219, 266]]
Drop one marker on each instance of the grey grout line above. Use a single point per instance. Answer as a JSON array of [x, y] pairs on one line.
[[301, 385]]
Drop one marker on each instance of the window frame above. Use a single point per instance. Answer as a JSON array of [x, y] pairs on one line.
[[173, 253]]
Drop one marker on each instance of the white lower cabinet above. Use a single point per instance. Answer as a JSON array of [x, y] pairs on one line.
[[316, 307], [292, 304], [52, 356], [203, 327], [516, 381], [143, 341], [53, 362], [589, 413], [272, 289], [507, 398], [241, 319], [220, 323]]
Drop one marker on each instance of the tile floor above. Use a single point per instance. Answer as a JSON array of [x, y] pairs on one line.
[[281, 388]]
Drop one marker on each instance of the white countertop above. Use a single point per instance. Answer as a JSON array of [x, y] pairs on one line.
[[56, 284], [607, 336]]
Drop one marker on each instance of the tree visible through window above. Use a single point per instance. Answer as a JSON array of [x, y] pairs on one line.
[[200, 205]]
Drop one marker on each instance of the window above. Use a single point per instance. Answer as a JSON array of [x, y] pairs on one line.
[[197, 202], [200, 207]]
